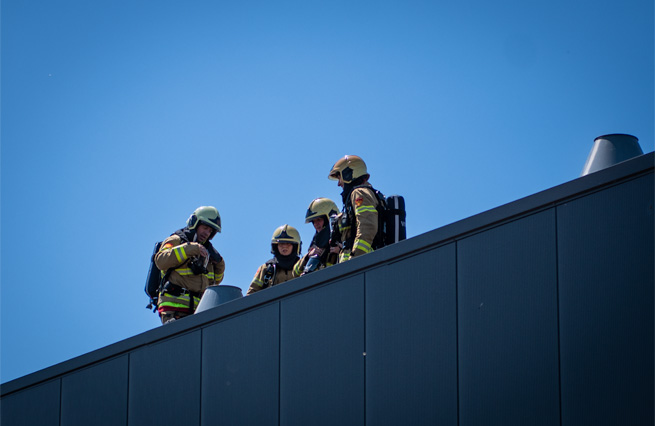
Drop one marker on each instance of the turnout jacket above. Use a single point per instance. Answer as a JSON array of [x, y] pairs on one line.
[[174, 253], [299, 267], [358, 223], [321, 241], [279, 276]]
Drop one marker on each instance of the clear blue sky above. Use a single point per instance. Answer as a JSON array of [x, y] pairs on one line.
[[119, 118]]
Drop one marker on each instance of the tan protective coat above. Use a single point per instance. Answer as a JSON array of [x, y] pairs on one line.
[[281, 276], [364, 223], [174, 253]]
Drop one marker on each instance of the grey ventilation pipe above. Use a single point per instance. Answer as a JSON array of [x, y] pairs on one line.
[[609, 150], [217, 295]]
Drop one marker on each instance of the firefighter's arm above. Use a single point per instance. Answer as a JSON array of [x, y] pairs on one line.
[[258, 281], [299, 267], [219, 270], [335, 240], [364, 205], [172, 253]]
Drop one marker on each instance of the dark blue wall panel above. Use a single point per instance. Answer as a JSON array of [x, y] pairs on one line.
[[606, 305], [322, 355], [164, 382], [540, 312], [97, 395], [240, 369], [507, 294], [38, 405], [411, 341]]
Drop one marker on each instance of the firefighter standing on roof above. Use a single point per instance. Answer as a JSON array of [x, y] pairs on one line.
[[358, 222], [286, 247], [189, 264], [321, 213]]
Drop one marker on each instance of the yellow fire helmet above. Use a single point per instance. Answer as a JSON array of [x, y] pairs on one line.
[[207, 215], [287, 234], [349, 168], [321, 207]]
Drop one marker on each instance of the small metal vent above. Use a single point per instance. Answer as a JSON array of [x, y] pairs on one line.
[[609, 150]]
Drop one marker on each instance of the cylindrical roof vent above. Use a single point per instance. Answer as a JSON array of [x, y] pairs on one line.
[[609, 150], [217, 295]]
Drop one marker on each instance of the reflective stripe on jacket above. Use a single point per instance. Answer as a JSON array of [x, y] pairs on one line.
[[281, 276], [176, 254], [363, 223], [168, 302]]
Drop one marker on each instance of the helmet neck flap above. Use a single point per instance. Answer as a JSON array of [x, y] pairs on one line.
[[348, 188]]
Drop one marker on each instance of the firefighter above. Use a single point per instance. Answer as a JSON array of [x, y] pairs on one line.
[[358, 222], [189, 264], [320, 213], [285, 246]]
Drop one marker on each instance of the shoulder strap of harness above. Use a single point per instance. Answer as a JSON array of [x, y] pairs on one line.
[[269, 274]]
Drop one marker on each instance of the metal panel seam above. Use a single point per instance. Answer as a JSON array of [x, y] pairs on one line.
[[364, 337], [127, 394], [202, 332], [457, 327], [559, 340], [279, 361], [61, 391]]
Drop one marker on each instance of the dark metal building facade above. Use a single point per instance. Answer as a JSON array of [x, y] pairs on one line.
[[538, 312]]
